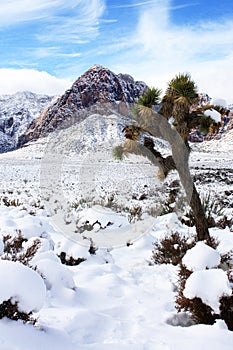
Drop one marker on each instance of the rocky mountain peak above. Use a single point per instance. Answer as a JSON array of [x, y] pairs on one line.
[[98, 90], [96, 66]]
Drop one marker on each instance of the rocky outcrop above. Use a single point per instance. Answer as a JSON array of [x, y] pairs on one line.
[[17, 112], [98, 90]]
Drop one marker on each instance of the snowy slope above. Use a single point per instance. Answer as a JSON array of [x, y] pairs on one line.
[[114, 299], [97, 91], [16, 114]]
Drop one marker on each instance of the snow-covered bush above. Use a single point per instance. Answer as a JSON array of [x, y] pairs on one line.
[[69, 260], [199, 312], [201, 257], [74, 254], [17, 301], [14, 248], [171, 249], [205, 290], [19, 275], [172, 199], [226, 309], [10, 202], [224, 221], [56, 276], [213, 208]]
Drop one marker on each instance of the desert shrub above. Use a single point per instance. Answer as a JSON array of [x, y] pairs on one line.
[[14, 250], [212, 242], [172, 198], [226, 311], [10, 202], [199, 312], [135, 214], [171, 249], [17, 302], [227, 261], [224, 222], [92, 249], [70, 261], [13, 245], [117, 153], [226, 302], [188, 219], [10, 310], [213, 208]]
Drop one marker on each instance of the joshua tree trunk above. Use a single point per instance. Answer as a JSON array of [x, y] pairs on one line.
[[197, 209], [199, 216], [167, 164], [159, 127]]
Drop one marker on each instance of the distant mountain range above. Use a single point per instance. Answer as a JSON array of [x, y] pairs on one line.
[[26, 116]]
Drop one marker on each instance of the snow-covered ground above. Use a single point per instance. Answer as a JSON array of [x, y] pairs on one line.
[[115, 298]]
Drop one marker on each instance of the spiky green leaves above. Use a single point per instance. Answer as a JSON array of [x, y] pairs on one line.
[[150, 98], [144, 105], [117, 152], [182, 86], [132, 132]]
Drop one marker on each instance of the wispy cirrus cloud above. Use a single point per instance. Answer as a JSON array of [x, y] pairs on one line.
[[42, 35], [163, 48], [18, 11], [134, 4], [150, 39], [151, 2], [54, 20], [43, 52]]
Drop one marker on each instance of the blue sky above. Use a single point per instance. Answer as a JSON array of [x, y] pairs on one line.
[[47, 44]]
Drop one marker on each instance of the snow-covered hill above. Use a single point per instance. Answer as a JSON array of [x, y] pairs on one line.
[[98, 90], [78, 228], [115, 297], [17, 111]]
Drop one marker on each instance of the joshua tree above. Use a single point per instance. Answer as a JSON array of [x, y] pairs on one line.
[[180, 95]]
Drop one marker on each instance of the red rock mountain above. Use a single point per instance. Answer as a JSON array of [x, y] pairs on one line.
[[98, 90]]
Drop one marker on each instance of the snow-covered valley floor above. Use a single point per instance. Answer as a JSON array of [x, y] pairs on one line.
[[115, 298]]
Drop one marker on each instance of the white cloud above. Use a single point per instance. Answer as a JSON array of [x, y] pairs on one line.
[[73, 20], [43, 52], [134, 4], [156, 51], [14, 80], [163, 49], [151, 2], [17, 11], [79, 27]]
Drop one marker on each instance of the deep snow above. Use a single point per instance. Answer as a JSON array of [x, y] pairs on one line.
[[115, 299]]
